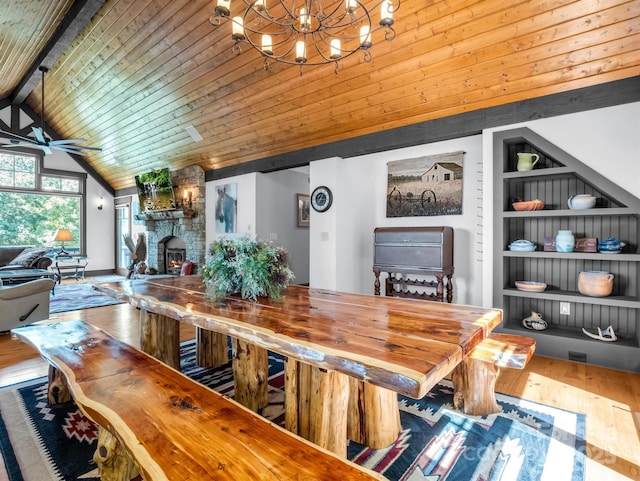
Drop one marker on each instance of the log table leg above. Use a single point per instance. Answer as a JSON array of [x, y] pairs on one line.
[[328, 410], [212, 349], [374, 416], [474, 387], [251, 374], [160, 337], [316, 405], [114, 463], [58, 391]]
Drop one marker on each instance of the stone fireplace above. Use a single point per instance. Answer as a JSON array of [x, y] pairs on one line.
[[179, 235]]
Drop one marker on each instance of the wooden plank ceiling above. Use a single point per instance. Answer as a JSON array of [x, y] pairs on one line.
[[142, 71]]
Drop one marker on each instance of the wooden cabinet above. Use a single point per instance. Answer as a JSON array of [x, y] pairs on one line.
[[424, 251], [555, 178]]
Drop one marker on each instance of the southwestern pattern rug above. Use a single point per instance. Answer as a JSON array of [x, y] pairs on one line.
[[526, 442], [75, 296]]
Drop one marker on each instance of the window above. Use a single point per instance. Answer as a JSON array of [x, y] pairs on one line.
[[37, 201], [17, 170]]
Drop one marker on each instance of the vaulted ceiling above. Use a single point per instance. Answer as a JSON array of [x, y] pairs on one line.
[[132, 75]]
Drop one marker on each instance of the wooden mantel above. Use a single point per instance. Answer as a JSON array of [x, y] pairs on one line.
[[167, 214]]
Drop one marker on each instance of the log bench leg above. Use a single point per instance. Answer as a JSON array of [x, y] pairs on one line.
[[211, 348], [316, 405], [58, 391], [160, 337], [374, 416], [250, 374], [474, 387], [114, 463]]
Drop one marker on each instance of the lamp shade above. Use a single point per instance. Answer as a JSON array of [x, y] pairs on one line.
[[63, 235]]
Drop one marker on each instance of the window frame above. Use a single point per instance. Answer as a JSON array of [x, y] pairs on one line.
[[42, 171]]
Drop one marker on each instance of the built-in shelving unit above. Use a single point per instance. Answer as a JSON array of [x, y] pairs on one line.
[[555, 178]]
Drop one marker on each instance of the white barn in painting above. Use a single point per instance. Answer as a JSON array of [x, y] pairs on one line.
[[442, 172]]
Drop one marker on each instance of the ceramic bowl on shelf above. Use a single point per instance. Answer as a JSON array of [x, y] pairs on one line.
[[522, 245], [581, 201], [530, 286], [611, 246], [535, 204]]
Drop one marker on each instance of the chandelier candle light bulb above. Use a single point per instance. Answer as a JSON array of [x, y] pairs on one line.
[[237, 29], [365, 36], [305, 22], [266, 44], [335, 48], [352, 5], [386, 13], [223, 7], [301, 55]]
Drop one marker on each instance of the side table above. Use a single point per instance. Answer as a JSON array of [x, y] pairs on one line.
[[70, 267]]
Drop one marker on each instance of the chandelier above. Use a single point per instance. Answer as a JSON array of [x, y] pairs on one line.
[[307, 32]]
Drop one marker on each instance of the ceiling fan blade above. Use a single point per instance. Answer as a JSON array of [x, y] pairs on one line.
[[66, 141], [70, 151], [97, 149], [18, 137], [39, 136]]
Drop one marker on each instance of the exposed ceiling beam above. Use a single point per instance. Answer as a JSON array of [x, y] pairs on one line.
[[78, 16]]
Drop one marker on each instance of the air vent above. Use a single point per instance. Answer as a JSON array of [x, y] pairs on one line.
[[577, 356], [195, 135]]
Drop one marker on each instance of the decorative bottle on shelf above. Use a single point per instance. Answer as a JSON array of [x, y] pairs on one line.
[[565, 241]]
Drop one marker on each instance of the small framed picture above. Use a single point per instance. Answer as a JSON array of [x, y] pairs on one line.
[[302, 210]]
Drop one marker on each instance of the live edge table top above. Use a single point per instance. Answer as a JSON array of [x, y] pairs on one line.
[[403, 345]]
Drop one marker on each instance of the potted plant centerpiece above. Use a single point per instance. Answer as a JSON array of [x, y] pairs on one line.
[[252, 267]]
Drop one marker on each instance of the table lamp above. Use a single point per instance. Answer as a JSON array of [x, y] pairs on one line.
[[62, 236]]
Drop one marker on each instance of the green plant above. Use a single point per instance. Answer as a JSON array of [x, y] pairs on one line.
[[251, 267]]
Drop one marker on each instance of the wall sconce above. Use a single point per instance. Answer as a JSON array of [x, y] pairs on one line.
[[100, 202], [186, 198]]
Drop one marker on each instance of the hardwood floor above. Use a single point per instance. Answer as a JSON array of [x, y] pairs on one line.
[[610, 399]]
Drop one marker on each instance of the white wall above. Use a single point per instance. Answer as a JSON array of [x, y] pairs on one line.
[[277, 217], [345, 261]]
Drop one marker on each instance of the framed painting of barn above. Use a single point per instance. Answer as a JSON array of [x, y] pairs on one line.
[[430, 185]]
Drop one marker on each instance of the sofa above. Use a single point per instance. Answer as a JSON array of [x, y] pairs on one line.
[[24, 257], [23, 304]]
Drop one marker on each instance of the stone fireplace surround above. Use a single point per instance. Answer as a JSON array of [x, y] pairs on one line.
[[186, 224]]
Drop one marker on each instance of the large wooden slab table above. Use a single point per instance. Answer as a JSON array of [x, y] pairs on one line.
[[348, 355]]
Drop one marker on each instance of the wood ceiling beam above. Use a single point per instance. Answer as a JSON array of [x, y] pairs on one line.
[[76, 19], [455, 126]]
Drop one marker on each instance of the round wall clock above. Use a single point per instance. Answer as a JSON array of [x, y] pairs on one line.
[[321, 198]]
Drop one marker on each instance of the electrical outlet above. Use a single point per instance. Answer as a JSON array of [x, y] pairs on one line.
[[565, 309]]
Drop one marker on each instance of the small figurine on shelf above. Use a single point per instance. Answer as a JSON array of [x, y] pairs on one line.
[[535, 322], [608, 335]]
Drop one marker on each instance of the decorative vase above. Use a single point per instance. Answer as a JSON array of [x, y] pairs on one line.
[[595, 283], [565, 241]]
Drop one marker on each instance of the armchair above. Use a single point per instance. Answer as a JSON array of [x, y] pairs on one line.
[[25, 303]]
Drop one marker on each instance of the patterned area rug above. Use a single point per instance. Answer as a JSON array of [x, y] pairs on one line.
[[75, 296], [526, 442]]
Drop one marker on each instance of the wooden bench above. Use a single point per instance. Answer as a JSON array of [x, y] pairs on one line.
[[493, 353], [159, 424]]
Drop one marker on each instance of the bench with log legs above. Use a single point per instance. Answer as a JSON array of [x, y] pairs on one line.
[[494, 352], [159, 424]]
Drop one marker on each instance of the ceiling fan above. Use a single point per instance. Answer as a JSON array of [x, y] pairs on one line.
[[40, 140]]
